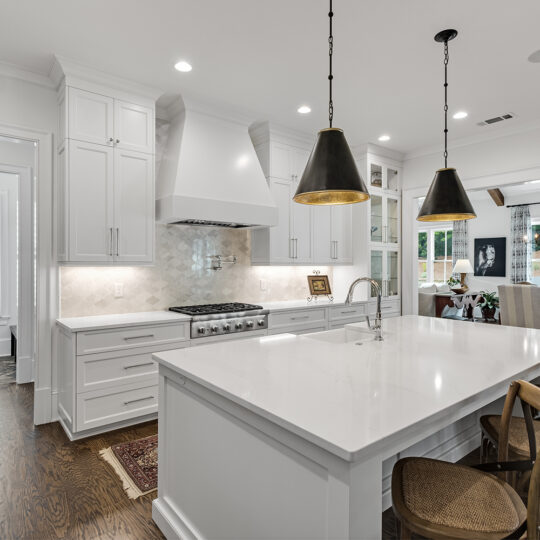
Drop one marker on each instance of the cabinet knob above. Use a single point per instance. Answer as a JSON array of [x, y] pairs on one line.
[[117, 141], [110, 139]]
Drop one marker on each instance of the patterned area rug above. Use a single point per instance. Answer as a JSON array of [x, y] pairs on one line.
[[136, 463]]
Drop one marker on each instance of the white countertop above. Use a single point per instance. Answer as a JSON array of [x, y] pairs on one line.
[[346, 397], [99, 322]]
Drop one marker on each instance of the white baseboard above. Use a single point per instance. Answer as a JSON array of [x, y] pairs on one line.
[[25, 369], [5, 347]]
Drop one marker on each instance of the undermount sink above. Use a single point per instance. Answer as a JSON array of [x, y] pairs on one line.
[[348, 334]]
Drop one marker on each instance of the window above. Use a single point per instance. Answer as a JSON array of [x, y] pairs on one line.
[[434, 255], [535, 273]]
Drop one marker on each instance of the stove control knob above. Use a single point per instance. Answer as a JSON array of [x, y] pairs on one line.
[[214, 329], [226, 327], [201, 330], [249, 324], [238, 325], [261, 322]]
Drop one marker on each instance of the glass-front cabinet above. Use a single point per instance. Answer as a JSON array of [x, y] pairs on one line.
[[384, 269], [383, 176]]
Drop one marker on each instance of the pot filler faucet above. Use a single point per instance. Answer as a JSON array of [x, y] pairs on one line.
[[377, 326]]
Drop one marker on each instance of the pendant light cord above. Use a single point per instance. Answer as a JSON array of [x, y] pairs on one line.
[[330, 76], [446, 104]]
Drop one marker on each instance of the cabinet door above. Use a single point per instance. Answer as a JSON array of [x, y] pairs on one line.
[[342, 234], [281, 249], [376, 222], [391, 213], [133, 206], [300, 159], [391, 287], [90, 188], [376, 269], [301, 230], [90, 117], [323, 247], [133, 127]]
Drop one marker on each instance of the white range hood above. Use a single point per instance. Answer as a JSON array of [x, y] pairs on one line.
[[210, 174]]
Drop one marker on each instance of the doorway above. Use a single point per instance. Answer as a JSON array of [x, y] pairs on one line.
[[17, 260]]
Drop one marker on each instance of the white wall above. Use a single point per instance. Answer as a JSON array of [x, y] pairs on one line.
[[8, 258], [509, 159]]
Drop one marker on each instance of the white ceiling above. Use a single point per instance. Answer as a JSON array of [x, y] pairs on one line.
[[268, 57]]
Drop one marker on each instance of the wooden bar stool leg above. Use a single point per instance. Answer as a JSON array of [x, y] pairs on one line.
[[403, 532]]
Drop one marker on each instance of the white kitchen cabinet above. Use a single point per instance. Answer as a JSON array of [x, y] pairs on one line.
[[107, 378], [105, 120], [385, 269], [109, 215], [332, 234], [385, 222], [90, 117], [133, 206], [305, 234], [105, 186], [133, 127], [89, 188]]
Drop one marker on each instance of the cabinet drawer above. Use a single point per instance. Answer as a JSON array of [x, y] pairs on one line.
[[95, 371], [293, 318], [103, 407], [128, 338], [347, 312]]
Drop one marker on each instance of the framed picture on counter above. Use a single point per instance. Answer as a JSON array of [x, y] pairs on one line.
[[319, 285]]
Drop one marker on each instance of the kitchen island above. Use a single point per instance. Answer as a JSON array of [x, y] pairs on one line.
[[284, 436]]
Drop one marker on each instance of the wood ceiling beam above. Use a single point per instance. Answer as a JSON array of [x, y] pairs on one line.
[[497, 196]]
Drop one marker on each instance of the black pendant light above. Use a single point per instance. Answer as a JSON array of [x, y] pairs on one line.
[[446, 199], [331, 175]]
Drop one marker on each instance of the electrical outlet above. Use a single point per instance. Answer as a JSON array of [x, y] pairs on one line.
[[118, 290], [264, 285]]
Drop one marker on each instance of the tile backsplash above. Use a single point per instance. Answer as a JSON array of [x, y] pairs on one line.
[[182, 276]]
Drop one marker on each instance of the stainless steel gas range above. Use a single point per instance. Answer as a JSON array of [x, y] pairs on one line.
[[216, 322]]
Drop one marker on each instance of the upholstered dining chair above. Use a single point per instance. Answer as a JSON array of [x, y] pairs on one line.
[[437, 499], [519, 305]]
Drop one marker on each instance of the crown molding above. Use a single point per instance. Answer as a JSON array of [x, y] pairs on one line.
[[263, 131], [16, 72], [500, 133], [360, 150], [70, 71]]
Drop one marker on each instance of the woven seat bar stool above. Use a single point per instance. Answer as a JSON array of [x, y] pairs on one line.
[[442, 500]]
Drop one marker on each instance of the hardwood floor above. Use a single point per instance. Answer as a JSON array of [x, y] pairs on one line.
[[53, 488]]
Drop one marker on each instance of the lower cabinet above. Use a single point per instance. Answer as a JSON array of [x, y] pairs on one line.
[[107, 378]]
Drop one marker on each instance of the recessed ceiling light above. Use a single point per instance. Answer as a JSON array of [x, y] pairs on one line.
[[460, 114], [384, 138], [183, 66], [304, 109]]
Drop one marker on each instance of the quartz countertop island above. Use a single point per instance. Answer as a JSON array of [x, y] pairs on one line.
[[339, 400]]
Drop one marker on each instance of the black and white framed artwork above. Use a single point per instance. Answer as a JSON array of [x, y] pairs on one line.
[[490, 257]]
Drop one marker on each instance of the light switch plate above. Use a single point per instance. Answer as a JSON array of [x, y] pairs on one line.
[[118, 290]]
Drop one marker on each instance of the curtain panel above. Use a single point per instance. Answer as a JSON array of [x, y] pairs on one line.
[[521, 231], [460, 244]]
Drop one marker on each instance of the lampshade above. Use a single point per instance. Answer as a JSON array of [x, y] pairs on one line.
[[331, 175], [463, 266], [446, 199]]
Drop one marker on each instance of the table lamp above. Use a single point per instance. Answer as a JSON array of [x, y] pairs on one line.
[[463, 267]]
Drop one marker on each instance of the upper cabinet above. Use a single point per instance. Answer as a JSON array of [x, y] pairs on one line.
[[105, 180], [304, 234], [112, 122]]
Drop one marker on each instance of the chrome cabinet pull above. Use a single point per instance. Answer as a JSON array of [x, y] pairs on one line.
[[348, 311], [291, 252], [110, 140], [136, 400], [336, 257], [299, 318], [117, 141], [111, 242], [139, 365], [138, 337], [117, 241], [296, 248]]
